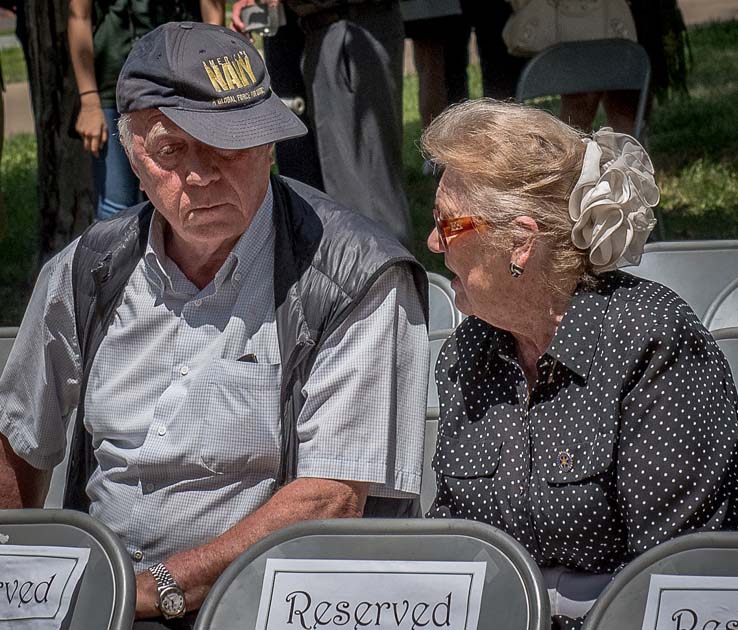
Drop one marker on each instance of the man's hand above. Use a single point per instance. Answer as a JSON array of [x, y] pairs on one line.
[[91, 125], [238, 6]]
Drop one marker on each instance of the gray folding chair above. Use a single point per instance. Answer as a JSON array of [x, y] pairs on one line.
[[727, 339], [106, 598], [513, 595], [622, 604], [443, 311], [703, 273], [428, 482], [7, 337], [588, 66]]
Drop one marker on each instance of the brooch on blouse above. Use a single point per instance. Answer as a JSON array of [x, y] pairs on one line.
[[566, 461]]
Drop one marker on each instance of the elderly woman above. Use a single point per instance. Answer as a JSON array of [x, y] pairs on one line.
[[584, 411]]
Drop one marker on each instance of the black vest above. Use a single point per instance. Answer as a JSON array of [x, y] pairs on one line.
[[326, 260]]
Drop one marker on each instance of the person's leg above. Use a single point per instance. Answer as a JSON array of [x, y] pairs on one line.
[[621, 108], [115, 183], [353, 71], [579, 110], [298, 157], [500, 70], [457, 34], [431, 68]]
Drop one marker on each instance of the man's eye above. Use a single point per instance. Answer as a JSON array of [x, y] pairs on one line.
[[168, 149]]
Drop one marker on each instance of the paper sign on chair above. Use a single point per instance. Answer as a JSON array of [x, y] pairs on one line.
[[37, 585], [386, 595]]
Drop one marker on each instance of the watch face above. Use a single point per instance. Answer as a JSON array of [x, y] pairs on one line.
[[172, 602]]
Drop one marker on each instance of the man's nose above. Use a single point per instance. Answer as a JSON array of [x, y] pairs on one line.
[[434, 241], [202, 169]]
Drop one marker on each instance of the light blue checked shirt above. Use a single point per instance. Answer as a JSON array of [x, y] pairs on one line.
[[187, 437]]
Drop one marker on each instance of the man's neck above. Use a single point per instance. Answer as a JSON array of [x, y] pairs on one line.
[[198, 262]]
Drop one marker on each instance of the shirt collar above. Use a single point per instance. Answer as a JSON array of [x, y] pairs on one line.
[[575, 342], [164, 273]]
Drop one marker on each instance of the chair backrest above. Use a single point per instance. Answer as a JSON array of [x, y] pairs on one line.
[[588, 66], [106, 598], [727, 339], [443, 311], [623, 603], [513, 595], [7, 337], [703, 273]]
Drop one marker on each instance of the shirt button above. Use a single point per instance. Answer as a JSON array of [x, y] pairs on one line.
[[138, 555], [184, 370], [162, 430], [237, 277], [149, 487], [198, 302]]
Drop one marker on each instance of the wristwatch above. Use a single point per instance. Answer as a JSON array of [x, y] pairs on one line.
[[171, 598]]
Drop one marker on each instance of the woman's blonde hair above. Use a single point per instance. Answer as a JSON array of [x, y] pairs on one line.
[[513, 160]]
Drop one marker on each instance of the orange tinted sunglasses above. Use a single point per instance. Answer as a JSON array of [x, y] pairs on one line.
[[454, 226]]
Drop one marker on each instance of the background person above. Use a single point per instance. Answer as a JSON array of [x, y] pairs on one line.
[[661, 31], [101, 33], [586, 412], [352, 71], [254, 314]]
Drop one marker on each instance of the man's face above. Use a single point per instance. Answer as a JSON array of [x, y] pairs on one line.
[[208, 196]]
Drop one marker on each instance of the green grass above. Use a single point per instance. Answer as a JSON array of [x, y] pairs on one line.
[[14, 65], [693, 142], [18, 226]]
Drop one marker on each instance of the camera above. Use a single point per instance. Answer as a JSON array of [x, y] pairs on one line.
[[260, 19]]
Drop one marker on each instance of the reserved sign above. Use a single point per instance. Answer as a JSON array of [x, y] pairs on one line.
[[37, 585], [386, 595], [688, 602]]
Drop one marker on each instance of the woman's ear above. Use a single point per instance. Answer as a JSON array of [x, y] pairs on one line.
[[524, 242]]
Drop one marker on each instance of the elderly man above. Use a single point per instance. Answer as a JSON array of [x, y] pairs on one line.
[[259, 354]]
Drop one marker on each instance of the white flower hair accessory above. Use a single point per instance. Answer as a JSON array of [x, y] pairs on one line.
[[612, 200]]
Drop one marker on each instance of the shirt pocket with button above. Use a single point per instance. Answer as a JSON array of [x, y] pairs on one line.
[[241, 431], [465, 470]]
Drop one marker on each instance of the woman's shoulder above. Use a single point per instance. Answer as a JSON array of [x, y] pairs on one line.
[[646, 308]]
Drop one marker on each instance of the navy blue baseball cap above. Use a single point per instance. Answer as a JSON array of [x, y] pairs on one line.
[[210, 81]]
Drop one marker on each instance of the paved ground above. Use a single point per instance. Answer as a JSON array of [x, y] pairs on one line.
[[19, 118]]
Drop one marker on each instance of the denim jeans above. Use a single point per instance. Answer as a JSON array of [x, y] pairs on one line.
[[115, 184]]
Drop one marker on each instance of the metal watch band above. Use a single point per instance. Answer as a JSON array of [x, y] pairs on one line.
[[162, 576]]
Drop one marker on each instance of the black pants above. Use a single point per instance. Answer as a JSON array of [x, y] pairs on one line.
[[185, 623]]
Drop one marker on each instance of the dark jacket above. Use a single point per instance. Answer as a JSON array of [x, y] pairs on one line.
[[326, 260]]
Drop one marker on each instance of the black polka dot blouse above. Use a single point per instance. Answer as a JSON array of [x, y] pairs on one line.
[[628, 437]]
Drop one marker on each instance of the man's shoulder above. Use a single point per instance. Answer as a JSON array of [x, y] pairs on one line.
[[340, 225]]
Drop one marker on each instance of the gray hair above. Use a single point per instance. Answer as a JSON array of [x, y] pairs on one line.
[[514, 160], [125, 135]]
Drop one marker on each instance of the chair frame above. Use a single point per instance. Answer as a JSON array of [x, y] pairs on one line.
[[647, 560], [528, 570], [124, 578], [576, 57]]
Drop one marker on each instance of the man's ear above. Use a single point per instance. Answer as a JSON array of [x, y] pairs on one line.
[[524, 242]]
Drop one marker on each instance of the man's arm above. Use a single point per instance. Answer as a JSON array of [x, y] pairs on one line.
[[196, 570], [21, 485], [213, 11], [90, 123]]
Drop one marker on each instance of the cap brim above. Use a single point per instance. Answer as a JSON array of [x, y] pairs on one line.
[[264, 123]]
